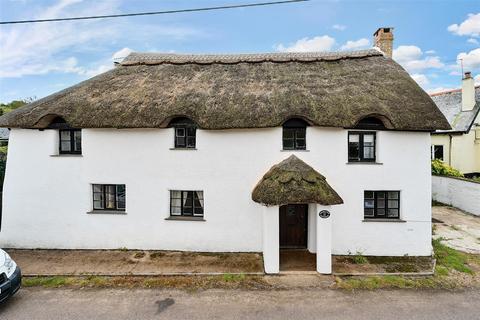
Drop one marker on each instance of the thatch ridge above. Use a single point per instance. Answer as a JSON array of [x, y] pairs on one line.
[[331, 90], [292, 181]]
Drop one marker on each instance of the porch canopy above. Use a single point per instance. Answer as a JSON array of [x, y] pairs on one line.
[[293, 181]]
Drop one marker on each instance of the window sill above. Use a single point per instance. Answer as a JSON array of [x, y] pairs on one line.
[[185, 218], [366, 162], [67, 155], [384, 220], [107, 212], [188, 149], [295, 150]]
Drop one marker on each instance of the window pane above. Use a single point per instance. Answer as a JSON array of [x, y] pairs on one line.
[[288, 144], [65, 146], [392, 195], [288, 133], [191, 142], [393, 203], [110, 197], [380, 203], [393, 213], [176, 211], [121, 195], [368, 139], [438, 152], [368, 152], [180, 142], [65, 135], [353, 138], [369, 204], [353, 151], [78, 140], [198, 199], [97, 204], [191, 131], [380, 195], [380, 212], [300, 133], [97, 188], [368, 212], [300, 144], [368, 194], [180, 132], [175, 194]]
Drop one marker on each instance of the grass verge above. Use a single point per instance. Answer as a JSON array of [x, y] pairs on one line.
[[226, 281], [454, 270]]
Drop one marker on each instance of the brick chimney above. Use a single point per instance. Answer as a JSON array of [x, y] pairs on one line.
[[468, 92], [383, 39]]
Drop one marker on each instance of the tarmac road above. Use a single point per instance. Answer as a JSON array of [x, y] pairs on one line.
[[115, 304]]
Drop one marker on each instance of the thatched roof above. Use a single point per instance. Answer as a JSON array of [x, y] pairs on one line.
[[240, 91], [293, 181]]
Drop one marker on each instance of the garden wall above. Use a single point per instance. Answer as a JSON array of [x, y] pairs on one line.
[[457, 192]]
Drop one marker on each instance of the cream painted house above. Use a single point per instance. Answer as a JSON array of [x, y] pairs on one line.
[[319, 152], [459, 147]]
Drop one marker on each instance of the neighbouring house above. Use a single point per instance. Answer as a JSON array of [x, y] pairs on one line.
[[459, 147], [325, 152], [4, 133]]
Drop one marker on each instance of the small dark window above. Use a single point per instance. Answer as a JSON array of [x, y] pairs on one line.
[[70, 141], [437, 152], [186, 203], [370, 123], [109, 197], [185, 133], [381, 204], [361, 146], [294, 135]]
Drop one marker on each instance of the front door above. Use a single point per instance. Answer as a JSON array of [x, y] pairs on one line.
[[293, 226]]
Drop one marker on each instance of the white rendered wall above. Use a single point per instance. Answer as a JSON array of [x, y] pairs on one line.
[[46, 198], [458, 193]]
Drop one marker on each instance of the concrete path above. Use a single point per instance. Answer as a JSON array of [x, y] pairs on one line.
[[459, 230], [115, 304]]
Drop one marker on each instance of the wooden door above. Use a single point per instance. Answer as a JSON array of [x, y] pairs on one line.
[[293, 226]]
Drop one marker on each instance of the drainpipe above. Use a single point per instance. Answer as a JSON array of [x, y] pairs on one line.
[[450, 151]]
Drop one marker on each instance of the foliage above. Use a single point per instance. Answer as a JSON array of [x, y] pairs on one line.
[[15, 104], [443, 169], [450, 258]]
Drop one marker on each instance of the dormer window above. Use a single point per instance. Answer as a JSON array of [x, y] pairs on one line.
[[70, 139], [185, 133], [294, 134]]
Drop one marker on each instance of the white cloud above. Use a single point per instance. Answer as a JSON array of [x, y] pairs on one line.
[[471, 60], [473, 41], [319, 43], [430, 52], [41, 48], [469, 27], [360, 43], [421, 79], [339, 27], [477, 80], [121, 54], [411, 58]]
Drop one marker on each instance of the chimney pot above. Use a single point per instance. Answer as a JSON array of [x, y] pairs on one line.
[[468, 75], [383, 39]]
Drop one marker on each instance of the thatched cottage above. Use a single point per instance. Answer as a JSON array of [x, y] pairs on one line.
[[323, 152]]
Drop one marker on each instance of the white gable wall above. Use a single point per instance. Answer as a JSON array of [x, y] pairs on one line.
[[46, 199]]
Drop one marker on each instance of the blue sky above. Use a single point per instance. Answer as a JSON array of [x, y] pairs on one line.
[[40, 59]]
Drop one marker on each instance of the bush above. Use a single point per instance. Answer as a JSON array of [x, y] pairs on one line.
[[442, 169]]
